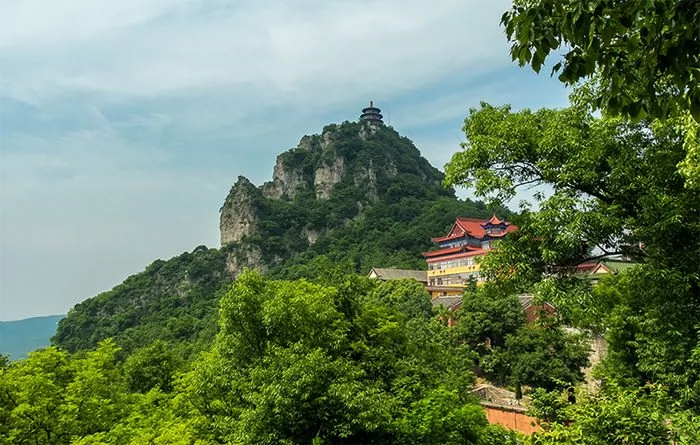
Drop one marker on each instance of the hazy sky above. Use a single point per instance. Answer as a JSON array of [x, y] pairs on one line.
[[123, 124]]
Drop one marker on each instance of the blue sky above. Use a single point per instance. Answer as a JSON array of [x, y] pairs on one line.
[[124, 124]]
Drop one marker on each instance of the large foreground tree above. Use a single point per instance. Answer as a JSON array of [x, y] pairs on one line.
[[613, 187], [647, 53], [359, 362], [615, 184], [645, 56]]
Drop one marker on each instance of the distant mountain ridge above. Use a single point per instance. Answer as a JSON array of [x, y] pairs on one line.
[[356, 196], [20, 337]]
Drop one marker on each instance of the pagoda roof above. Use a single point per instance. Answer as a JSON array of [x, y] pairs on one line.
[[495, 220], [475, 227]]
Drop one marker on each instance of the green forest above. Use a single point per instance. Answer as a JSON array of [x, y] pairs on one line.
[[314, 352]]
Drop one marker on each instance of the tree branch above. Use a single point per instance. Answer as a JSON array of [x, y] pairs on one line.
[[597, 257]]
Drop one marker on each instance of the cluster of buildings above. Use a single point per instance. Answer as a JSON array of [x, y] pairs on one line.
[[454, 264]]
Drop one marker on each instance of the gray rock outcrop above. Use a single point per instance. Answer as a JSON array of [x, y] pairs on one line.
[[286, 181], [239, 216], [327, 176]]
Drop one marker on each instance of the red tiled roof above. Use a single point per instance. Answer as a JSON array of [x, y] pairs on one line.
[[474, 227], [495, 220], [453, 256], [586, 266], [445, 238], [447, 251]]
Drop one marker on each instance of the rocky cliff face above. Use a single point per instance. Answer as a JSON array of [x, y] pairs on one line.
[[292, 175], [319, 170], [239, 216], [327, 176], [285, 182], [244, 256]]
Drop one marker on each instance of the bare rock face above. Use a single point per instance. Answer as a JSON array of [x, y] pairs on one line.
[[245, 257], [311, 235], [327, 138], [289, 179], [238, 214], [286, 181], [306, 143], [367, 176], [328, 175], [368, 129]]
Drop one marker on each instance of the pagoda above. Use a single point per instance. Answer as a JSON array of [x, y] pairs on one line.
[[372, 114]]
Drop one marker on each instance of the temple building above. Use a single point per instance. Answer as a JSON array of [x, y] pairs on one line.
[[452, 266], [372, 114], [595, 271]]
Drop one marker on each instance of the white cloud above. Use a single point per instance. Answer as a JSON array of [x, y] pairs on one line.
[[276, 49]]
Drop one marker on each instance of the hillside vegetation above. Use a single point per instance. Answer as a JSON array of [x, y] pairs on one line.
[[384, 222], [173, 300]]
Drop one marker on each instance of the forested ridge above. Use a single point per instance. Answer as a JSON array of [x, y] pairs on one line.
[[313, 353]]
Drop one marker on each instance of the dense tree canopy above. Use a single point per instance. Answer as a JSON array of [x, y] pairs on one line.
[[350, 361], [644, 56], [646, 53], [614, 416], [510, 352], [616, 186], [613, 188], [296, 362], [53, 398]]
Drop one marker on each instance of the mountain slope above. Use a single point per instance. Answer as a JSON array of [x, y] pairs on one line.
[[355, 196], [173, 300]]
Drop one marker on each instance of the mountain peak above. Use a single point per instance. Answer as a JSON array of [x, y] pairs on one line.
[[353, 164]]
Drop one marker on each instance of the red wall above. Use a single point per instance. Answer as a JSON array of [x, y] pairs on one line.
[[534, 312], [512, 419]]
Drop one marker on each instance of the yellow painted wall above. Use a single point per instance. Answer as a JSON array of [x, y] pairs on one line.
[[452, 271]]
